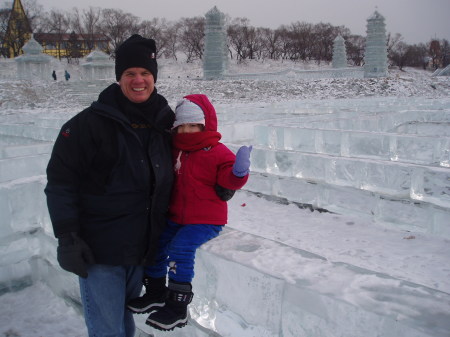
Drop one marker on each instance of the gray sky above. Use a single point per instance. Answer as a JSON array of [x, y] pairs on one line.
[[416, 20]]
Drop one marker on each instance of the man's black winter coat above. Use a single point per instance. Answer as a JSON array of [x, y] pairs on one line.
[[109, 184]]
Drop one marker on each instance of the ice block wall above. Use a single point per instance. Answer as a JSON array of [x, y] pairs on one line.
[[387, 160], [298, 156]]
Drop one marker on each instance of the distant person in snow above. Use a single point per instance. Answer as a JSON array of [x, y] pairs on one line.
[[54, 75], [66, 75], [196, 213], [109, 182]]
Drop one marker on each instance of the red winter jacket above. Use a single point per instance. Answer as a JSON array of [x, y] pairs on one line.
[[194, 200]]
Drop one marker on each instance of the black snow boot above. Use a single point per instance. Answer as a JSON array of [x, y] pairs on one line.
[[154, 297], [174, 312]]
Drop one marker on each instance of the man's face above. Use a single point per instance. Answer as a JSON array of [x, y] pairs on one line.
[[137, 84]]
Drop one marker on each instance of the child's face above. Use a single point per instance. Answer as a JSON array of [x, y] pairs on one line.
[[189, 128]]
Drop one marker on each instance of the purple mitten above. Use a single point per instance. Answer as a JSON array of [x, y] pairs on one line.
[[242, 164]]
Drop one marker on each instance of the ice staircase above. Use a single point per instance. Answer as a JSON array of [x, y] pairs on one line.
[[339, 158], [388, 163]]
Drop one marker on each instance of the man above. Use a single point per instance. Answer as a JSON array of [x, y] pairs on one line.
[[109, 183]]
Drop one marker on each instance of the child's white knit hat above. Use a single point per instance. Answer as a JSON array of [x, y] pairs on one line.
[[187, 112]]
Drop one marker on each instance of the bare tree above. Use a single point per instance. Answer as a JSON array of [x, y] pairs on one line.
[[192, 37], [355, 49], [241, 37], [4, 18], [284, 42], [171, 37], [391, 44], [301, 41], [271, 42], [253, 42], [322, 48], [399, 54], [418, 56], [57, 23], [118, 26], [155, 29], [34, 13], [87, 25], [445, 53]]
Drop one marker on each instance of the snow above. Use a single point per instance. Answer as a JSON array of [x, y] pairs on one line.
[[339, 238], [334, 239]]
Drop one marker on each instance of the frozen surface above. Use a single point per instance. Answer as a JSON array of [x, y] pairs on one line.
[[373, 151]]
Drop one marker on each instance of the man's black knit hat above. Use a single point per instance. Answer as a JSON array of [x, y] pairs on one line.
[[136, 52]]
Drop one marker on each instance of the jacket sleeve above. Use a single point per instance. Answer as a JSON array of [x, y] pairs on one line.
[[64, 174], [225, 176]]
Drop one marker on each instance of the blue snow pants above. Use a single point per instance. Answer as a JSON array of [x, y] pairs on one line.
[[177, 247]]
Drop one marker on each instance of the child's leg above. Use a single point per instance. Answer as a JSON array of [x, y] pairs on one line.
[[181, 260], [182, 248]]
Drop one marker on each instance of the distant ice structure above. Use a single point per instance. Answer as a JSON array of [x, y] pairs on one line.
[[98, 66], [33, 64], [215, 61], [339, 53], [442, 71], [375, 58]]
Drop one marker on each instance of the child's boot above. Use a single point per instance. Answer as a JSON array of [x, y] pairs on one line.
[[174, 313], [154, 297]]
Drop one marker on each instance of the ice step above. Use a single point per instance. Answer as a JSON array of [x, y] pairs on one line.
[[314, 304], [389, 179], [400, 213], [31, 131], [24, 149], [24, 167], [422, 150]]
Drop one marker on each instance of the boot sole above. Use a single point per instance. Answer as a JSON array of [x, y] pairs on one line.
[[166, 327], [147, 309]]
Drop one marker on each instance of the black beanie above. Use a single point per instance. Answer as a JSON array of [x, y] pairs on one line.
[[136, 52]]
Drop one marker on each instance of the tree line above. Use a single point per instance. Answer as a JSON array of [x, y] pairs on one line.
[[298, 41]]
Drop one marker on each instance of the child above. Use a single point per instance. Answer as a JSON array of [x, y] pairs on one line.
[[196, 213]]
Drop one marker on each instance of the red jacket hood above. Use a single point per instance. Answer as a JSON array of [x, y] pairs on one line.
[[210, 113]]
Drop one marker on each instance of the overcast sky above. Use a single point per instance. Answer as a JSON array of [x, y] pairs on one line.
[[416, 20]]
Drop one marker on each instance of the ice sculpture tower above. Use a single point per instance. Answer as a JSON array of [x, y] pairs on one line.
[[375, 58], [33, 64], [215, 62], [339, 53]]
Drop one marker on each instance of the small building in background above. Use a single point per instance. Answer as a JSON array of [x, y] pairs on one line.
[[71, 46]]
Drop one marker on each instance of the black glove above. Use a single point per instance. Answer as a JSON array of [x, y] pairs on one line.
[[74, 254], [223, 193]]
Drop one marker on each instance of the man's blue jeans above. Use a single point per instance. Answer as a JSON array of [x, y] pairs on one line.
[[177, 247], [104, 294]]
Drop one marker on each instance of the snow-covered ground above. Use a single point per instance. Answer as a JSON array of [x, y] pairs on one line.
[[414, 257]]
